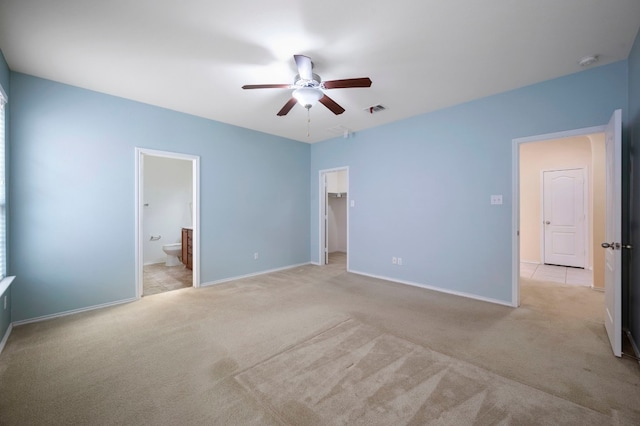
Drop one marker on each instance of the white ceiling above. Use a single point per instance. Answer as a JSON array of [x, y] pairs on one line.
[[422, 55]]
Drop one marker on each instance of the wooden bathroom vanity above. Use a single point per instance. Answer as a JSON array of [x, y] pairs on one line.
[[187, 247]]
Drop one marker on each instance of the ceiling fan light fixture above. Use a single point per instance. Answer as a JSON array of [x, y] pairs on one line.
[[308, 96]]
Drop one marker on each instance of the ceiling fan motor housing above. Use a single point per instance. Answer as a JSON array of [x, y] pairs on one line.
[[299, 82]]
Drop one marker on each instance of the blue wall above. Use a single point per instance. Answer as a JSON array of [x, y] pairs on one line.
[[72, 189], [634, 127], [422, 186], [5, 314]]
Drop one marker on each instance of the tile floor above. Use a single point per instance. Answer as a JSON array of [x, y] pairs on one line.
[[558, 274], [159, 278]]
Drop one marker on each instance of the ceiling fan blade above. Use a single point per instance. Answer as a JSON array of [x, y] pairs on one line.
[[305, 68], [331, 104], [287, 107], [346, 83], [266, 86]]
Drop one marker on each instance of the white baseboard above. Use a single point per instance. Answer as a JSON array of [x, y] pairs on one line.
[[438, 289], [316, 263], [73, 311], [532, 262], [5, 337], [255, 274]]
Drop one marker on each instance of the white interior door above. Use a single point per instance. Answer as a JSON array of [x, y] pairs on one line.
[[325, 213], [613, 233], [564, 217]]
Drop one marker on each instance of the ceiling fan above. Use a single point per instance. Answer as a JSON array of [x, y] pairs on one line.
[[309, 87]]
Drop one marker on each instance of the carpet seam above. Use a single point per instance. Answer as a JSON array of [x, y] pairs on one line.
[[288, 348], [259, 400]]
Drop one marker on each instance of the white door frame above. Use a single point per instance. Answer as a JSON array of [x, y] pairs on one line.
[[321, 206], [585, 208], [515, 206], [139, 187]]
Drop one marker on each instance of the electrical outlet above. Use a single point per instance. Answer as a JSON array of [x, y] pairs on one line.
[[399, 261], [496, 199], [256, 256], [394, 260]]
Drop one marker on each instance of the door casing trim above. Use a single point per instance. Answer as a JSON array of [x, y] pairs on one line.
[[321, 201], [139, 181]]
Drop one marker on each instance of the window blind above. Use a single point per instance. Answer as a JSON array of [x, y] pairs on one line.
[[3, 203]]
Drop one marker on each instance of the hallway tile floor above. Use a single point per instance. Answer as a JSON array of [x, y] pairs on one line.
[[559, 274]]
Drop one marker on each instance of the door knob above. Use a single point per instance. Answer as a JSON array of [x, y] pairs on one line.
[[615, 246], [548, 223]]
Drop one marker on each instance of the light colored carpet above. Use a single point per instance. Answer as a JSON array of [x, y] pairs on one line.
[[354, 374], [316, 345]]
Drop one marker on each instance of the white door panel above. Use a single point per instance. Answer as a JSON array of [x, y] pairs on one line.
[[613, 233], [564, 243], [564, 217]]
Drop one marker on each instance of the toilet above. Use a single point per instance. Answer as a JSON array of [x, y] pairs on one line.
[[172, 251]]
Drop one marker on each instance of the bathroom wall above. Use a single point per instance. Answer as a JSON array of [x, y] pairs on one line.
[[167, 195]]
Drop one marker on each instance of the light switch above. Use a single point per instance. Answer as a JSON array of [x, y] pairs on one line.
[[353, 203], [496, 199]]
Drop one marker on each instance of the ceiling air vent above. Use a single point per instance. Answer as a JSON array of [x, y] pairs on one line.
[[375, 108]]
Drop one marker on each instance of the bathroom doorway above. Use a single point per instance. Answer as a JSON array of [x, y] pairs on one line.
[[166, 221]]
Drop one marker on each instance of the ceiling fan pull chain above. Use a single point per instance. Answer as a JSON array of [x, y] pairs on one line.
[[308, 123]]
